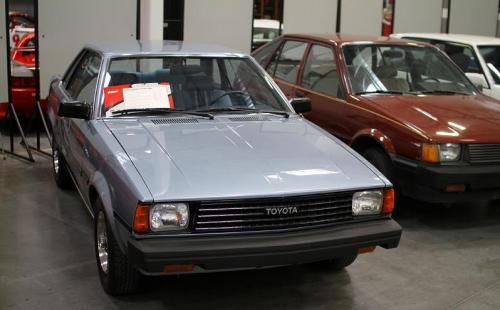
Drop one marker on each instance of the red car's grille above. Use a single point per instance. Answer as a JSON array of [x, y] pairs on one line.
[[272, 214], [484, 153]]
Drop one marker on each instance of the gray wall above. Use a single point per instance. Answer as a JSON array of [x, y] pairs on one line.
[[474, 17], [3, 56], [361, 17], [223, 22], [65, 26], [311, 16], [418, 16]]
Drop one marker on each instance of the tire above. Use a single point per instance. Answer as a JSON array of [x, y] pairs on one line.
[[380, 160], [60, 169], [336, 264], [377, 157], [117, 275]]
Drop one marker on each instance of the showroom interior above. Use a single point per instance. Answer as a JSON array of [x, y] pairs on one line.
[[447, 256]]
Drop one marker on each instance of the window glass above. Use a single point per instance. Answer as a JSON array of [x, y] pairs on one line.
[[263, 55], [403, 69], [320, 71], [491, 55], [187, 83], [463, 55], [288, 64], [81, 86]]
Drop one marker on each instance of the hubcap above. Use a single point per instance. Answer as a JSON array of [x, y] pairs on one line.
[[102, 242], [55, 161]]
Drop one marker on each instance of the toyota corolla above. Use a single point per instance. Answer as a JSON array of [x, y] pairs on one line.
[[190, 159]]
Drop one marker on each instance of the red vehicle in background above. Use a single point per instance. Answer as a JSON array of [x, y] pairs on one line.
[[22, 76]]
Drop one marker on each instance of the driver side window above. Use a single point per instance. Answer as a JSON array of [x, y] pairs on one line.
[[82, 83]]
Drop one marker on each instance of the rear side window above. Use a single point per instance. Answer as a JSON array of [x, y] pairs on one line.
[[288, 64], [320, 72]]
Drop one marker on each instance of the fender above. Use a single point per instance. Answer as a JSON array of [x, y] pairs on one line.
[[98, 181], [377, 136]]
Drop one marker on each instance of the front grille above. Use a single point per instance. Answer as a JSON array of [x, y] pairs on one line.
[[484, 153], [262, 214]]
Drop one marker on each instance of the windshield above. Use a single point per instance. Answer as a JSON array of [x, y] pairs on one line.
[[491, 55], [188, 84], [377, 68]]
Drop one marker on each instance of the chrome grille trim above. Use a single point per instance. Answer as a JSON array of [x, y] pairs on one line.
[[250, 215]]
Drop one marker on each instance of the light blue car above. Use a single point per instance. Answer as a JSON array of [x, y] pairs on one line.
[[190, 159]]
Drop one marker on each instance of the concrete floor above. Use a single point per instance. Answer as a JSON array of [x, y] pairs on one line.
[[449, 258]]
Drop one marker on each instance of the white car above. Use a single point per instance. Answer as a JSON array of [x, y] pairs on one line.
[[264, 31], [477, 56]]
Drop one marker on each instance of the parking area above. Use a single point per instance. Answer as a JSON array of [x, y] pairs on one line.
[[449, 258]]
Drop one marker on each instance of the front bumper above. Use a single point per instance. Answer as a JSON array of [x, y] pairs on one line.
[[229, 252], [428, 182]]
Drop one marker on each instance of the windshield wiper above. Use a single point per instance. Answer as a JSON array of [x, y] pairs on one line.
[[161, 111], [442, 92], [240, 109], [379, 91]]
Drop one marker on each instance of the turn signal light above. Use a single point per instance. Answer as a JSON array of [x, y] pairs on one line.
[[389, 198], [430, 153], [366, 249], [178, 268], [141, 219], [455, 188]]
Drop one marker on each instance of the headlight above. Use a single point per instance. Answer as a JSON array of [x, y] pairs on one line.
[[367, 202], [169, 216], [449, 152], [435, 153]]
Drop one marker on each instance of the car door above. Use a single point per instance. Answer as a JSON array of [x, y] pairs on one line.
[[320, 81], [81, 86], [285, 65]]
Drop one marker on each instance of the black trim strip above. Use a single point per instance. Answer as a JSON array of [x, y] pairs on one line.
[[339, 14]]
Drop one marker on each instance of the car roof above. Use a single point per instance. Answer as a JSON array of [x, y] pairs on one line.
[[136, 48], [340, 38], [458, 38]]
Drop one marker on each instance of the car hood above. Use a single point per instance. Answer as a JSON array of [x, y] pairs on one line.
[[186, 159], [443, 118]]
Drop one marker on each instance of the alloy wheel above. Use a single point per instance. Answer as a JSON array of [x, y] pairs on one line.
[[102, 242]]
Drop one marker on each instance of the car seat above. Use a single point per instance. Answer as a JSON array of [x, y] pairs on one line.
[[388, 76], [122, 78], [462, 60]]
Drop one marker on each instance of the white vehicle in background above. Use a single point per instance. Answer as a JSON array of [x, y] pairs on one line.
[[477, 56], [264, 30]]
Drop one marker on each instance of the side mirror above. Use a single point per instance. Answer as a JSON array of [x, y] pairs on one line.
[[301, 105], [74, 109]]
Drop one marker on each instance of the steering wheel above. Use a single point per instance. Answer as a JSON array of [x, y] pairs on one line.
[[431, 79], [229, 93]]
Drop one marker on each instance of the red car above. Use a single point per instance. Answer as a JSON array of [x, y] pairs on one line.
[[403, 105], [22, 77]]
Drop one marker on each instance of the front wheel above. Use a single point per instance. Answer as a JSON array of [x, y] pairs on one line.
[[117, 275], [60, 169]]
